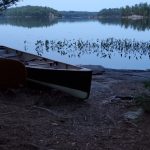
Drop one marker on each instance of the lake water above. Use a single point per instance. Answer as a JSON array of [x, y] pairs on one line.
[[112, 44]]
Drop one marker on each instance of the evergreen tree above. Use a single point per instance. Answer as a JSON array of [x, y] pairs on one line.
[[31, 11], [6, 3], [142, 9]]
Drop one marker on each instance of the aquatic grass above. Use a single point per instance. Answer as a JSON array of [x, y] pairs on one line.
[[128, 48]]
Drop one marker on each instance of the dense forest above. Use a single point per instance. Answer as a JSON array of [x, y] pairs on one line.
[[142, 9], [31, 11], [37, 11], [78, 14]]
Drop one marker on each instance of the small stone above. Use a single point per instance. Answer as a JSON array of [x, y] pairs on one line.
[[133, 114]]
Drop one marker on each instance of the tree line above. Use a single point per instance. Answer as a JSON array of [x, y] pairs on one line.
[[142, 9], [78, 14], [31, 11]]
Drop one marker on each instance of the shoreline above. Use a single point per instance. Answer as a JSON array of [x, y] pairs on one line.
[[100, 69], [37, 119]]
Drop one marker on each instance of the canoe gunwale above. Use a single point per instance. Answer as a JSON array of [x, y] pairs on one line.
[[48, 68]]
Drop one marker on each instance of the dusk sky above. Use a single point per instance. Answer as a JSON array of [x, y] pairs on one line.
[[81, 5]]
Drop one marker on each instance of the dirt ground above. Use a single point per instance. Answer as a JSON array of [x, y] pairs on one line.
[[47, 119]]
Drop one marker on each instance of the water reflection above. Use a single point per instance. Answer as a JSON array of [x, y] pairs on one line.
[[31, 22], [73, 20], [139, 24], [28, 22], [105, 48]]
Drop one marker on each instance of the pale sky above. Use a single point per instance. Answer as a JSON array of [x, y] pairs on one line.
[[81, 5]]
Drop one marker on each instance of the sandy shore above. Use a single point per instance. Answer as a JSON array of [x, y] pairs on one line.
[[47, 119]]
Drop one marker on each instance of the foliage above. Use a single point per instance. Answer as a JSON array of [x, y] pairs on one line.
[[147, 84], [78, 14], [6, 3], [110, 12], [34, 11], [144, 100], [142, 9]]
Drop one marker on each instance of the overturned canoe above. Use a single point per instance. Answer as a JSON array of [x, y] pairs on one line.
[[65, 77]]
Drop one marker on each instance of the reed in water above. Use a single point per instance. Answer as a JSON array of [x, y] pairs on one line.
[[100, 47]]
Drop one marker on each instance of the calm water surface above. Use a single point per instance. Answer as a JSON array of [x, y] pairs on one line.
[[89, 42]]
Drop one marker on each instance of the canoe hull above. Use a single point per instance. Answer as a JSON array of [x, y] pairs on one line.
[[74, 82]]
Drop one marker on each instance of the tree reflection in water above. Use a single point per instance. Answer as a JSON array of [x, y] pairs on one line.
[[136, 24], [104, 48]]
